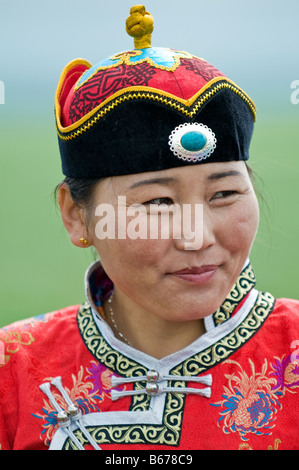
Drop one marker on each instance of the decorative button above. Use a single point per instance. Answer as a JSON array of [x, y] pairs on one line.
[[152, 376], [63, 419], [152, 388], [192, 142], [74, 412]]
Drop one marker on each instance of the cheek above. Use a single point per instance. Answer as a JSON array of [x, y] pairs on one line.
[[241, 223], [134, 260]]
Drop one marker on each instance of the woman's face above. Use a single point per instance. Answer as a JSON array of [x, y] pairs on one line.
[[174, 277]]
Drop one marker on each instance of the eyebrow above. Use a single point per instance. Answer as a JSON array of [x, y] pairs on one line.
[[171, 180], [165, 180], [224, 174]]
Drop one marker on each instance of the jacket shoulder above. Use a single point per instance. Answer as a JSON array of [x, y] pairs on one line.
[[284, 318], [290, 307], [39, 320], [18, 338]]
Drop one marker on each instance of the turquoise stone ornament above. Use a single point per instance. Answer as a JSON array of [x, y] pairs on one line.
[[192, 142]]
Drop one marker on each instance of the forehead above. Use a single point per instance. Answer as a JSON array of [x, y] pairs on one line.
[[182, 175]]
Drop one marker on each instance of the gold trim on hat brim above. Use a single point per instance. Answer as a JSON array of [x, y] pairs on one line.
[[187, 107]]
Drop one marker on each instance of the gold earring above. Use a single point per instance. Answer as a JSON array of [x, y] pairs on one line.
[[83, 241]]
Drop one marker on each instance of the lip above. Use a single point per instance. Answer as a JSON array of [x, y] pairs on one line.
[[197, 274]]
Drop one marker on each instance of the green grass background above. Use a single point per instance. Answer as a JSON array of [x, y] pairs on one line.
[[42, 271], [254, 43]]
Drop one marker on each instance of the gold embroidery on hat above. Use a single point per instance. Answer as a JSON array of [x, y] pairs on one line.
[[187, 107]]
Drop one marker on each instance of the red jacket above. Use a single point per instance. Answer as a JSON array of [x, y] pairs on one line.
[[235, 387]]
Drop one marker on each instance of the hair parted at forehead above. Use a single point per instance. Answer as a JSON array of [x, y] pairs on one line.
[[148, 109]]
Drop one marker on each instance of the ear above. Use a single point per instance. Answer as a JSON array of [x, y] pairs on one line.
[[72, 216]]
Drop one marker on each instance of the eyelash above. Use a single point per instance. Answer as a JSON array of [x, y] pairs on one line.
[[169, 201], [225, 194]]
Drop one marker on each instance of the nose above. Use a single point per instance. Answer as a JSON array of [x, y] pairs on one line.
[[197, 229]]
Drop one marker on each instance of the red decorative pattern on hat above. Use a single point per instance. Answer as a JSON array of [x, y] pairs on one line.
[[104, 85], [188, 79]]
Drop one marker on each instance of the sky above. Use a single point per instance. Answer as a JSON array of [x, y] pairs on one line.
[[255, 43]]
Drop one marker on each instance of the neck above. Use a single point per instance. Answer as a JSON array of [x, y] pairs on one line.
[[148, 333]]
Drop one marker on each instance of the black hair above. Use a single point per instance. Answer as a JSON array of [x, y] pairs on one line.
[[82, 192]]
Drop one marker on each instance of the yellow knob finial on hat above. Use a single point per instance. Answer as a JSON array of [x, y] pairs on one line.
[[140, 25]]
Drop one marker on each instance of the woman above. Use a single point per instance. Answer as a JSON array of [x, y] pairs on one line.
[[174, 348]]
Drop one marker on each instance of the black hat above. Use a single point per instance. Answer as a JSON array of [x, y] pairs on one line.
[[148, 109]]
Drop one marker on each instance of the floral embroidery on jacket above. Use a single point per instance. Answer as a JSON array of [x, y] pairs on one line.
[[11, 341], [87, 393], [15, 335], [251, 401], [286, 372], [81, 394], [246, 446], [101, 378]]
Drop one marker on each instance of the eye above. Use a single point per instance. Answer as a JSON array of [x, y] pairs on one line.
[[160, 201], [224, 194]]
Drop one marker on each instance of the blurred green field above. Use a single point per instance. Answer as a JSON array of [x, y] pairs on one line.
[[41, 271]]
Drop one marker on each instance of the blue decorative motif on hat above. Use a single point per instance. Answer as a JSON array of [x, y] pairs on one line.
[[158, 57], [192, 142]]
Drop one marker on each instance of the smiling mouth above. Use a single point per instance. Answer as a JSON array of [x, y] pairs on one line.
[[197, 275]]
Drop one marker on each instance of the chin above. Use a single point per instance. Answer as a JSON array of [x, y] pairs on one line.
[[192, 311]]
